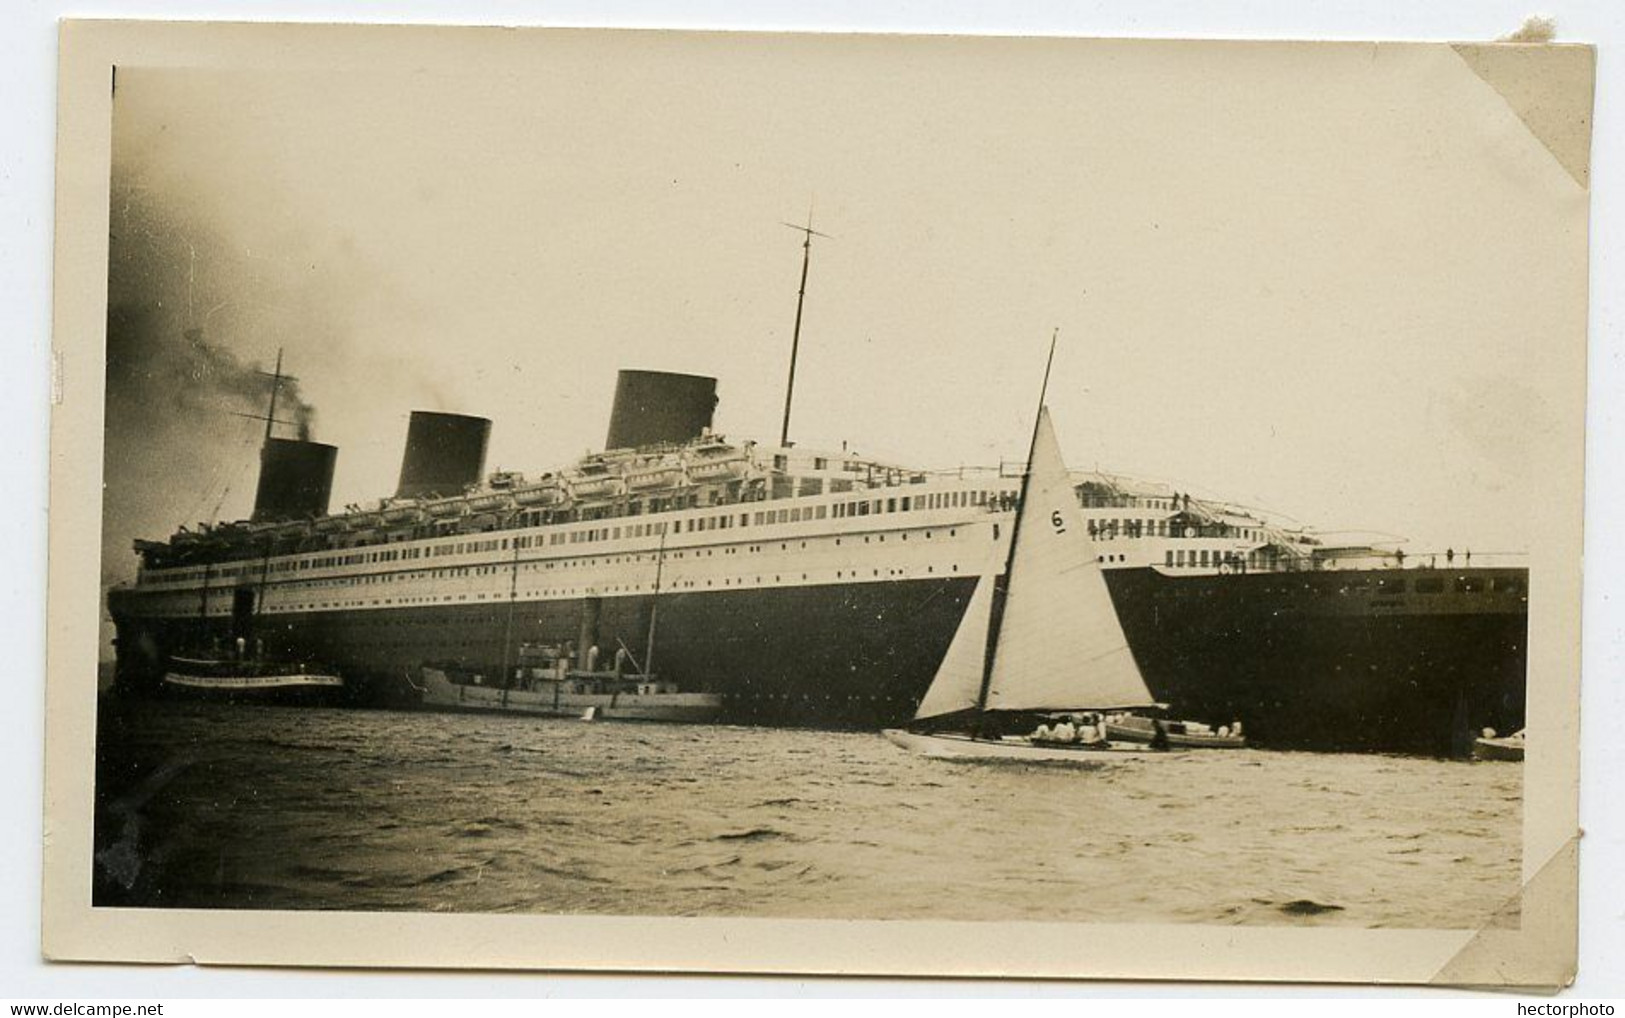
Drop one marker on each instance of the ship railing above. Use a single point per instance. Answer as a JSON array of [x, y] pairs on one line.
[[1377, 560], [1454, 558]]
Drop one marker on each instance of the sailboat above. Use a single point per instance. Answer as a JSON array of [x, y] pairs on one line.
[[1041, 640]]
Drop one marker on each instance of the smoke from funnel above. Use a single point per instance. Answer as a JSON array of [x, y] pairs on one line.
[[176, 450]]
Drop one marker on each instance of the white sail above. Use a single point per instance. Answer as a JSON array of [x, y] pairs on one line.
[[1060, 644], [958, 682]]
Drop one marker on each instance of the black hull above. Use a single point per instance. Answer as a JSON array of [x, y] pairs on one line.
[[1303, 660], [1329, 661], [847, 656]]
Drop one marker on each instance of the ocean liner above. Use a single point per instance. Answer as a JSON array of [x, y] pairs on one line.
[[815, 587]]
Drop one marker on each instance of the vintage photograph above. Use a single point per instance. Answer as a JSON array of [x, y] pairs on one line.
[[684, 475]]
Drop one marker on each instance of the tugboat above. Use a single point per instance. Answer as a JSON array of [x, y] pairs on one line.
[[545, 684], [252, 680]]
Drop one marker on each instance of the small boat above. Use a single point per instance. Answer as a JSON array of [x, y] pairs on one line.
[[408, 513], [656, 475], [548, 492], [251, 680], [590, 696], [1491, 747], [1039, 641], [717, 468], [443, 507], [1179, 734]]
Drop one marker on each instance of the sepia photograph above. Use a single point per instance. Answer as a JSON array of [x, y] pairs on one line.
[[979, 483]]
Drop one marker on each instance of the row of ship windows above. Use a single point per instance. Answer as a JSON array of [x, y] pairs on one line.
[[999, 499], [1436, 585], [502, 545], [1390, 585], [1106, 530], [1204, 558], [937, 500], [846, 574], [516, 567], [722, 521], [1381, 586]]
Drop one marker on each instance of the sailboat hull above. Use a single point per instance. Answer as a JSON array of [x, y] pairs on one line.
[[948, 746]]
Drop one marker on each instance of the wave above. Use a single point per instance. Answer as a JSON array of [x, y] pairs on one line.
[[754, 834], [1306, 906]]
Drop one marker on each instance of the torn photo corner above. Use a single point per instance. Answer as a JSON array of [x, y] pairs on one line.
[[615, 500]]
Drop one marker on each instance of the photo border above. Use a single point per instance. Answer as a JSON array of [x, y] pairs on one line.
[[1539, 953]]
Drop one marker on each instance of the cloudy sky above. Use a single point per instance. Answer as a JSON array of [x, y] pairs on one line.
[[1317, 279]]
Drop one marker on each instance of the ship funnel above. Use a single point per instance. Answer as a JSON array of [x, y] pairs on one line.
[[445, 453], [296, 479], [652, 407]]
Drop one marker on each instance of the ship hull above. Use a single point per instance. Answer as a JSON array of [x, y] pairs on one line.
[[943, 746], [1334, 660], [292, 689], [1324, 661], [836, 656]]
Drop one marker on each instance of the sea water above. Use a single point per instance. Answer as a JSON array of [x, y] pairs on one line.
[[233, 806]]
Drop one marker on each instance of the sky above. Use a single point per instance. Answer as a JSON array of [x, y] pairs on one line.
[[1317, 280]]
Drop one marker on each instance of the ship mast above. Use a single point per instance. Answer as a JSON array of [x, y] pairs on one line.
[[269, 417], [507, 626], [276, 387], [808, 233], [654, 607], [277, 378]]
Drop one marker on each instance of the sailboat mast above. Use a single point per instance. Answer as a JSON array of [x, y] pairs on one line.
[[1001, 583]]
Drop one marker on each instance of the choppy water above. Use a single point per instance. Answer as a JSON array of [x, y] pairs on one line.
[[258, 807]]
